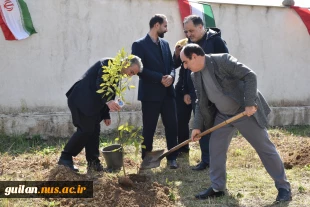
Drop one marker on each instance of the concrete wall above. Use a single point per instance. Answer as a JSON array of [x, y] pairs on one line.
[[36, 72], [72, 35], [274, 42]]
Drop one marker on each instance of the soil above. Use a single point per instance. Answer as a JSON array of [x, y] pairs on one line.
[[294, 152], [111, 191], [298, 157]]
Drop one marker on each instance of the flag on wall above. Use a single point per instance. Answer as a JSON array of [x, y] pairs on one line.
[[304, 14], [15, 20], [203, 10]]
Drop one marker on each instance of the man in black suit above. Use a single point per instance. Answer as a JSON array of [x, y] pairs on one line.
[[211, 42], [156, 91], [88, 109]]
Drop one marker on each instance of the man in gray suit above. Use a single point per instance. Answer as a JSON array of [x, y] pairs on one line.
[[224, 88]]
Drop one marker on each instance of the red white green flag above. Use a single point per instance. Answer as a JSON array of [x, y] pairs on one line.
[[304, 14], [15, 20], [202, 10]]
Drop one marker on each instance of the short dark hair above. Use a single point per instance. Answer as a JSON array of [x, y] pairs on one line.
[[157, 18], [194, 18], [192, 48]]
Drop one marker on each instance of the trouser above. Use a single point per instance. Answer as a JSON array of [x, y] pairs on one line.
[[257, 137], [203, 143], [150, 114], [86, 135], [184, 112]]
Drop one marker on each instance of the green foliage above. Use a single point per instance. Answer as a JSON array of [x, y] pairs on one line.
[[301, 189], [238, 152], [172, 196], [307, 167], [114, 81], [19, 144], [239, 195], [130, 135]]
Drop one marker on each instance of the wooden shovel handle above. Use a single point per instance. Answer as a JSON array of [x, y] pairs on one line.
[[234, 118], [228, 121]]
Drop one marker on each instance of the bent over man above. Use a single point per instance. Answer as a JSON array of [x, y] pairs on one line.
[[88, 109]]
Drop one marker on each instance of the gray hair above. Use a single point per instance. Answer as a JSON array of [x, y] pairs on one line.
[[136, 60]]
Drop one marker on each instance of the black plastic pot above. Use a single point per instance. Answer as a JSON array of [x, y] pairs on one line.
[[113, 156]]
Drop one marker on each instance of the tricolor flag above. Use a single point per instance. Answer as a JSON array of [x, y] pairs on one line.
[[304, 14], [202, 10], [15, 20]]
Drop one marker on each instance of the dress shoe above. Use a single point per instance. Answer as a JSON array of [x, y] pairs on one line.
[[95, 166], [173, 164], [68, 163], [284, 195], [209, 193], [200, 166]]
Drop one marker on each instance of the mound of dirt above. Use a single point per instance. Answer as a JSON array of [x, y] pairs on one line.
[[295, 152], [62, 173], [108, 192], [299, 157], [130, 163]]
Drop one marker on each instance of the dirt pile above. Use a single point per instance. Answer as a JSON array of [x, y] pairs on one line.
[[297, 157], [108, 192], [295, 152]]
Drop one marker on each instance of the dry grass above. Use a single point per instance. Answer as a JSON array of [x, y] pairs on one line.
[[248, 183]]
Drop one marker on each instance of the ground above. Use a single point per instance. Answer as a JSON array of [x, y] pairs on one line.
[[248, 184]]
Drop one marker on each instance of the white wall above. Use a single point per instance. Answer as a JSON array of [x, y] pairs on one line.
[[274, 42], [36, 72]]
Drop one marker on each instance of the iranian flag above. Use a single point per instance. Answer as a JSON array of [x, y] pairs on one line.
[[15, 20], [304, 14], [203, 10]]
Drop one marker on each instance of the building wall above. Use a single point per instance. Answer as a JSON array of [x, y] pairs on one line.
[[72, 35]]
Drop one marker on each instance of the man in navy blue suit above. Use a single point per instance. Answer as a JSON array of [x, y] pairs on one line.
[[88, 109], [156, 91]]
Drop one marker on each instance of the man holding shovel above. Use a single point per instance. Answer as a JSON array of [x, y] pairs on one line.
[[226, 87]]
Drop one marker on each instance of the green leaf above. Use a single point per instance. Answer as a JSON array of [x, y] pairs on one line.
[[100, 91]]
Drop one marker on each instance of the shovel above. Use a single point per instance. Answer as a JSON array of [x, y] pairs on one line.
[[152, 159]]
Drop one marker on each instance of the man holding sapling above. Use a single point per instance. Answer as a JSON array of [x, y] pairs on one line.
[[88, 108]]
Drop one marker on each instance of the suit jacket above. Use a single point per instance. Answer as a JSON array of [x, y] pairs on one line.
[[235, 80], [155, 66], [83, 93]]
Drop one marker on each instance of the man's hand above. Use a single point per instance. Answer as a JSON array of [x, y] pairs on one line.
[[194, 133], [187, 99], [177, 50], [250, 110], [107, 122], [113, 106], [167, 80]]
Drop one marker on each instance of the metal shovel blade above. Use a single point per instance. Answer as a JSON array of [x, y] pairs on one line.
[[152, 159]]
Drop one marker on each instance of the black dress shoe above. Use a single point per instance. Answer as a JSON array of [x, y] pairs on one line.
[[209, 193], [173, 164], [95, 166], [284, 195], [68, 163], [200, 166]]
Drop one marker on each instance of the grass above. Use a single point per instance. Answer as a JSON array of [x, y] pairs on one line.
[[248, 183]]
